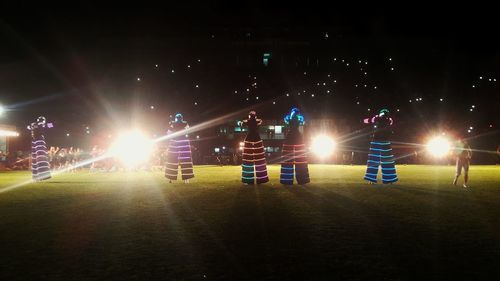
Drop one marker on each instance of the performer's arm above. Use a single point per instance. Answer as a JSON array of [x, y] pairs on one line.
[[301, 119], [287, 119], [369, 120], [259, 122]]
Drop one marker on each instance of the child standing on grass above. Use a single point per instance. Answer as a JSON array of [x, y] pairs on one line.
[[463, 154]]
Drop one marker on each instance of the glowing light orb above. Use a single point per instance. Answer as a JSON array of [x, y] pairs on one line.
[[323, 146], [438, 146], [132, 148]]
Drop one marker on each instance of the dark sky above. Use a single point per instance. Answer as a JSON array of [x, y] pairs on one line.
[[78, 65]]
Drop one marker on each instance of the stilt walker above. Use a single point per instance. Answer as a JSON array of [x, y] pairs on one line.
[[254, 168], [380, 149], [294, 158], [179, 152], [40, 166]]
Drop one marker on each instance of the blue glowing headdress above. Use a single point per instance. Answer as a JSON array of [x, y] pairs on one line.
[[294, 113], [178, 117]]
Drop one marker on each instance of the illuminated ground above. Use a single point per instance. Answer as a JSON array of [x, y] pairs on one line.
[[136, 226]]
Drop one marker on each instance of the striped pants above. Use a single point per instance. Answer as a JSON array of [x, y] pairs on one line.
[[254, 168], [294, 163], [40, 166], [179, 154], [381, 155]]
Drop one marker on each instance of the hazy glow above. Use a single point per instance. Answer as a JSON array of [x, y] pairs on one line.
[[6, 133], [132, 148], [2, 109], [323, 146], [438, 146]]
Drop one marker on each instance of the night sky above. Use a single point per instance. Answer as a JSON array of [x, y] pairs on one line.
[[85, 67]]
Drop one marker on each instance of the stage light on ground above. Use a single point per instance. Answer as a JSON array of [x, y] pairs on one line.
[[438, 146], [323, 146], [132, 148]]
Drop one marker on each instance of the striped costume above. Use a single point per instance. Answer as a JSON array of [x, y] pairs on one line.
[[294, 153], [179, 153], [380, 150], [40, 166], [254, 168]]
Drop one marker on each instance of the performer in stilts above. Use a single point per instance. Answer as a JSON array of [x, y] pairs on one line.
[[380, 149], [254, 159], [40, 166], [294, 158], [179, 151]]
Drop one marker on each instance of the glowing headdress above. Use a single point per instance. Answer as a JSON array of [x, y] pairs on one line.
[[178, 117]]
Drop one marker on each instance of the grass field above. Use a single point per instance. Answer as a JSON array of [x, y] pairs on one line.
[[136, 226]]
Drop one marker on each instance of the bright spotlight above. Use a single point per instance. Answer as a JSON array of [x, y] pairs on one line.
[[438, 146], [132, 148], [323, 146]]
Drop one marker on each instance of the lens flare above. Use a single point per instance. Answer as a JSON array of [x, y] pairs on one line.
[[132, 148], [323, 146], [438, 147]]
